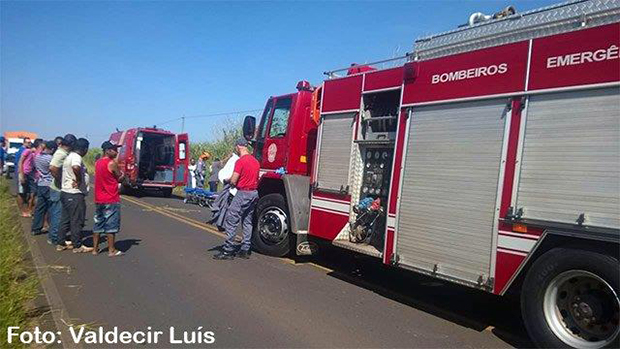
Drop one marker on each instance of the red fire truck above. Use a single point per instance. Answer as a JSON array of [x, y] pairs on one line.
[[152, 158], [490, 158]]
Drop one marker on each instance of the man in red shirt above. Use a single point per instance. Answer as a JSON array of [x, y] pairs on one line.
[[241, 208], [107, 199]]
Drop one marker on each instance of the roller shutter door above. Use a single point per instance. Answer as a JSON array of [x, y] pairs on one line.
[[448, 199], [571, 158], [335, 151]]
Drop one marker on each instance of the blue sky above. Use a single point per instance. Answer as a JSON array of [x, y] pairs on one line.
[[89, 67]]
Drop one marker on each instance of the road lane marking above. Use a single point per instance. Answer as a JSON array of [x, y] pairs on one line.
[[180, 218], [209, 229]]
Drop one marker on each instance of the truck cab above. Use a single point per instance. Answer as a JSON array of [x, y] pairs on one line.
[[286, 134], [284, 144]]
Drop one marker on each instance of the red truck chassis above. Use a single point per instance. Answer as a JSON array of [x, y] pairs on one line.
[[492, 157]]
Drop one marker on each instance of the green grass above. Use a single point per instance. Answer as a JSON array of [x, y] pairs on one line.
[[223, 144], [18, 283], [89, 159]]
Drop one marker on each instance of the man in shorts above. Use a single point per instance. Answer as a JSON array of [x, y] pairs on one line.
[[107, 199]]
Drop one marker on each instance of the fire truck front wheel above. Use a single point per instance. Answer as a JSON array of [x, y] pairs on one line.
[[570, 299], [271, 234]]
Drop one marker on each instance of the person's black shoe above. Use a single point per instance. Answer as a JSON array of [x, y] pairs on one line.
[[36, 232], [244, 254], [223, 255]]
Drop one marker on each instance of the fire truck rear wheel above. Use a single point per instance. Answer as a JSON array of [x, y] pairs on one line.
[[271, 234], [570, 299]]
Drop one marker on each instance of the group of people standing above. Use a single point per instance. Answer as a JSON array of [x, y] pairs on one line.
[[52, 185], [197, 171]]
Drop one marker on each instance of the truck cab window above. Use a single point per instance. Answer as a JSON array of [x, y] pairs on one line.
[[262, 129], [279, 120]]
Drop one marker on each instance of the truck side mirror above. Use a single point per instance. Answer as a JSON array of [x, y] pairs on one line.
[[249, 125]]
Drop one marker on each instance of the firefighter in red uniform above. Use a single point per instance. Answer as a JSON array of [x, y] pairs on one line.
[[241, 209]]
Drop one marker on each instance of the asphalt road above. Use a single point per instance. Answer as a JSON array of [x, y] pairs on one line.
[[168, 278]]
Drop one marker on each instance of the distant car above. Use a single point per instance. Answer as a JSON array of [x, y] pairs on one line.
[[13, 145]]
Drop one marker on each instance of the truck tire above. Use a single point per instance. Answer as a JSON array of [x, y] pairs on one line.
[[166, 192], [570, 299], [271, 235]]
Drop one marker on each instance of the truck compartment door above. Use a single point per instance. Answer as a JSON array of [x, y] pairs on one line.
[[335, 152], [570, 165], [181, 159], [446, 218]]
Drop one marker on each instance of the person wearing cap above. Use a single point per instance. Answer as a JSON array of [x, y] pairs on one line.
[[72, 197], [241, 208], [44, 180], [65, 146], [107, 199], [200, 169]]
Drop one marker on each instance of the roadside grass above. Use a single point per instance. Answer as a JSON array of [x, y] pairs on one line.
[[18, 283], [179, 191], [90, 158]]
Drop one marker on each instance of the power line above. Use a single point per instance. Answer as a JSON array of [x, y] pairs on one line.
[[197, 116], [222, 114], [168, 121]]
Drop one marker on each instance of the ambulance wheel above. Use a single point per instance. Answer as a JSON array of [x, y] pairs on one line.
[[166, 192], [124, 189], [570, 299], [271, 235]]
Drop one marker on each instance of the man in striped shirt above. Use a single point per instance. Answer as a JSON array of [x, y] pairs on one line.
[[44, 180]]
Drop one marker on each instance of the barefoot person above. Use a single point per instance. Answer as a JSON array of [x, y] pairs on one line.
[[107, 200]]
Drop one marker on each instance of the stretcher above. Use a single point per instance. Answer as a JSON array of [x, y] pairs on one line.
[[199, 196]]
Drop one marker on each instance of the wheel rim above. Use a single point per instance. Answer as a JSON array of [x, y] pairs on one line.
[[582, 309], [272, 226]]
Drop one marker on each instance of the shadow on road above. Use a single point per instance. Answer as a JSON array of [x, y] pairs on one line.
[[125, 245], [122, 245], [462, 305]]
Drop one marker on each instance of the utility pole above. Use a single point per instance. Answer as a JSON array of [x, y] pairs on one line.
[[182, 124]]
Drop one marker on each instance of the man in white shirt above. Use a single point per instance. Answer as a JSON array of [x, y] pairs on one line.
[[73, 191], [65, 144]]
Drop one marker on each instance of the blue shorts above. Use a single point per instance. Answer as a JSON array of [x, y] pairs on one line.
[[107, 218]]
